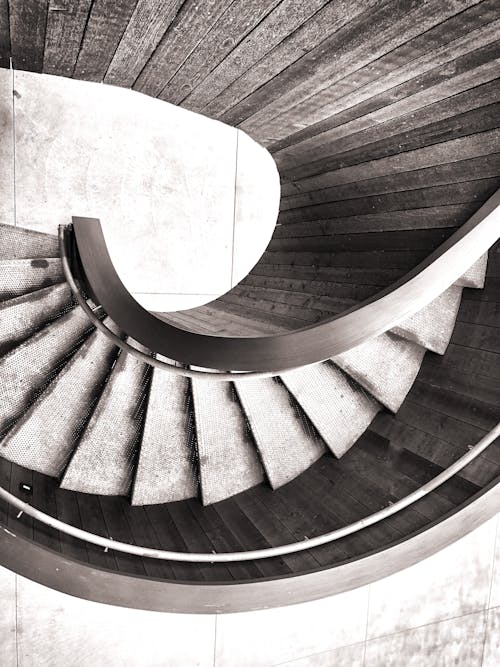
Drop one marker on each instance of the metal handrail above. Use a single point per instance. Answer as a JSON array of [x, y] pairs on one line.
[[285, 351], [271, 552], [133, 351]]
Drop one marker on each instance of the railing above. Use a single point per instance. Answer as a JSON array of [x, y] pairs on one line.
[[259, 554], [268, 355]]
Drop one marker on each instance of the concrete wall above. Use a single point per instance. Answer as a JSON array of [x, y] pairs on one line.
[[188, 204], [443, 611]]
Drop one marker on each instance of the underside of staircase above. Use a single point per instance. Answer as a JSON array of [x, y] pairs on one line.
[[77, 408]]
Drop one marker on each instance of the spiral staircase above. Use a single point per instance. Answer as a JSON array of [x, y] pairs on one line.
[[130, 473]]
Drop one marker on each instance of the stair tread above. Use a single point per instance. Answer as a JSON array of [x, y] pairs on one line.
[[386, 366], [475, 274], [21, 276], [45, 436], [23, 315], [286, 441], [166, 469], [22, 243], [340, 409], [104, 459], [223, 436], [432, 326], [29, 366]]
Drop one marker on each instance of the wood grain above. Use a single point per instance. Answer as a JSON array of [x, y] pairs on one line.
[[28, 19], [66, 23], [106, 24]]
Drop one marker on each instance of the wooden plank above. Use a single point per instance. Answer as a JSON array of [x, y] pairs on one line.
[[44, 499], [470, 146], [445, 376], [66, 22], [114, 511], [344, 26], [28, 19], [5, 474], [93, 522], [188, 29], [197, 540], [445, 42], [236, 22], [106, 24], [476, 335], [463, 408], [433, 217], [470, 360], [422, 79], [20, 524], [318, 287], [439, 452], [170, 539], [441, 195], [486, 313], [285, 19], [147, 26], [470, 89], [143, 534], [290, 50], [417, 239], [338, 274], [487, 166], [275, 532], [469, 112], [360, 42], [223, 540], [371, 260], [4, 34], [67, 510]]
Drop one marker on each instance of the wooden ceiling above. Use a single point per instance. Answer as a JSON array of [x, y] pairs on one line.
[[382, 115]]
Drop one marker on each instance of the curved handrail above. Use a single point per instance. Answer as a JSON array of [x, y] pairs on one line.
[[133, 351], [297, 348], [271, 552]]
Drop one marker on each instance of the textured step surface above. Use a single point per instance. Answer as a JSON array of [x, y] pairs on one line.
[[44, 438], [385, 366], [285, 439], [104, 460], [475, 275], [19, 243], [166, 470], [20, 276], [433, 326], [30, 366], [228, 460], [22, 316], [340, 409]]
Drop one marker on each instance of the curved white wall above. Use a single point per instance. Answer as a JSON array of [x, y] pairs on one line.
[[188, 204]]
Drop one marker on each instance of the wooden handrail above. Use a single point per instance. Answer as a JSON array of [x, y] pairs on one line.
[[285, 351], [259, 554]]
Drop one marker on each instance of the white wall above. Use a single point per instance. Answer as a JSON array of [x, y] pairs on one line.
[[188, 204], [442, 611]]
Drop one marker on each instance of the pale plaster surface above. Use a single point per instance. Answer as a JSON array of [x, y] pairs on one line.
[[188, 204], [6, 148], [39, 626]]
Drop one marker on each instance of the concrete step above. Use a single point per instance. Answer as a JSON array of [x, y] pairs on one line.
[[166, 471], [19, 243], [228, 460], [24, 315], [45, 436], [21, 276], [27, 369], [432, 327], [104, 459], [475, 275], [340, 409], [286, 442], [385, 366]]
